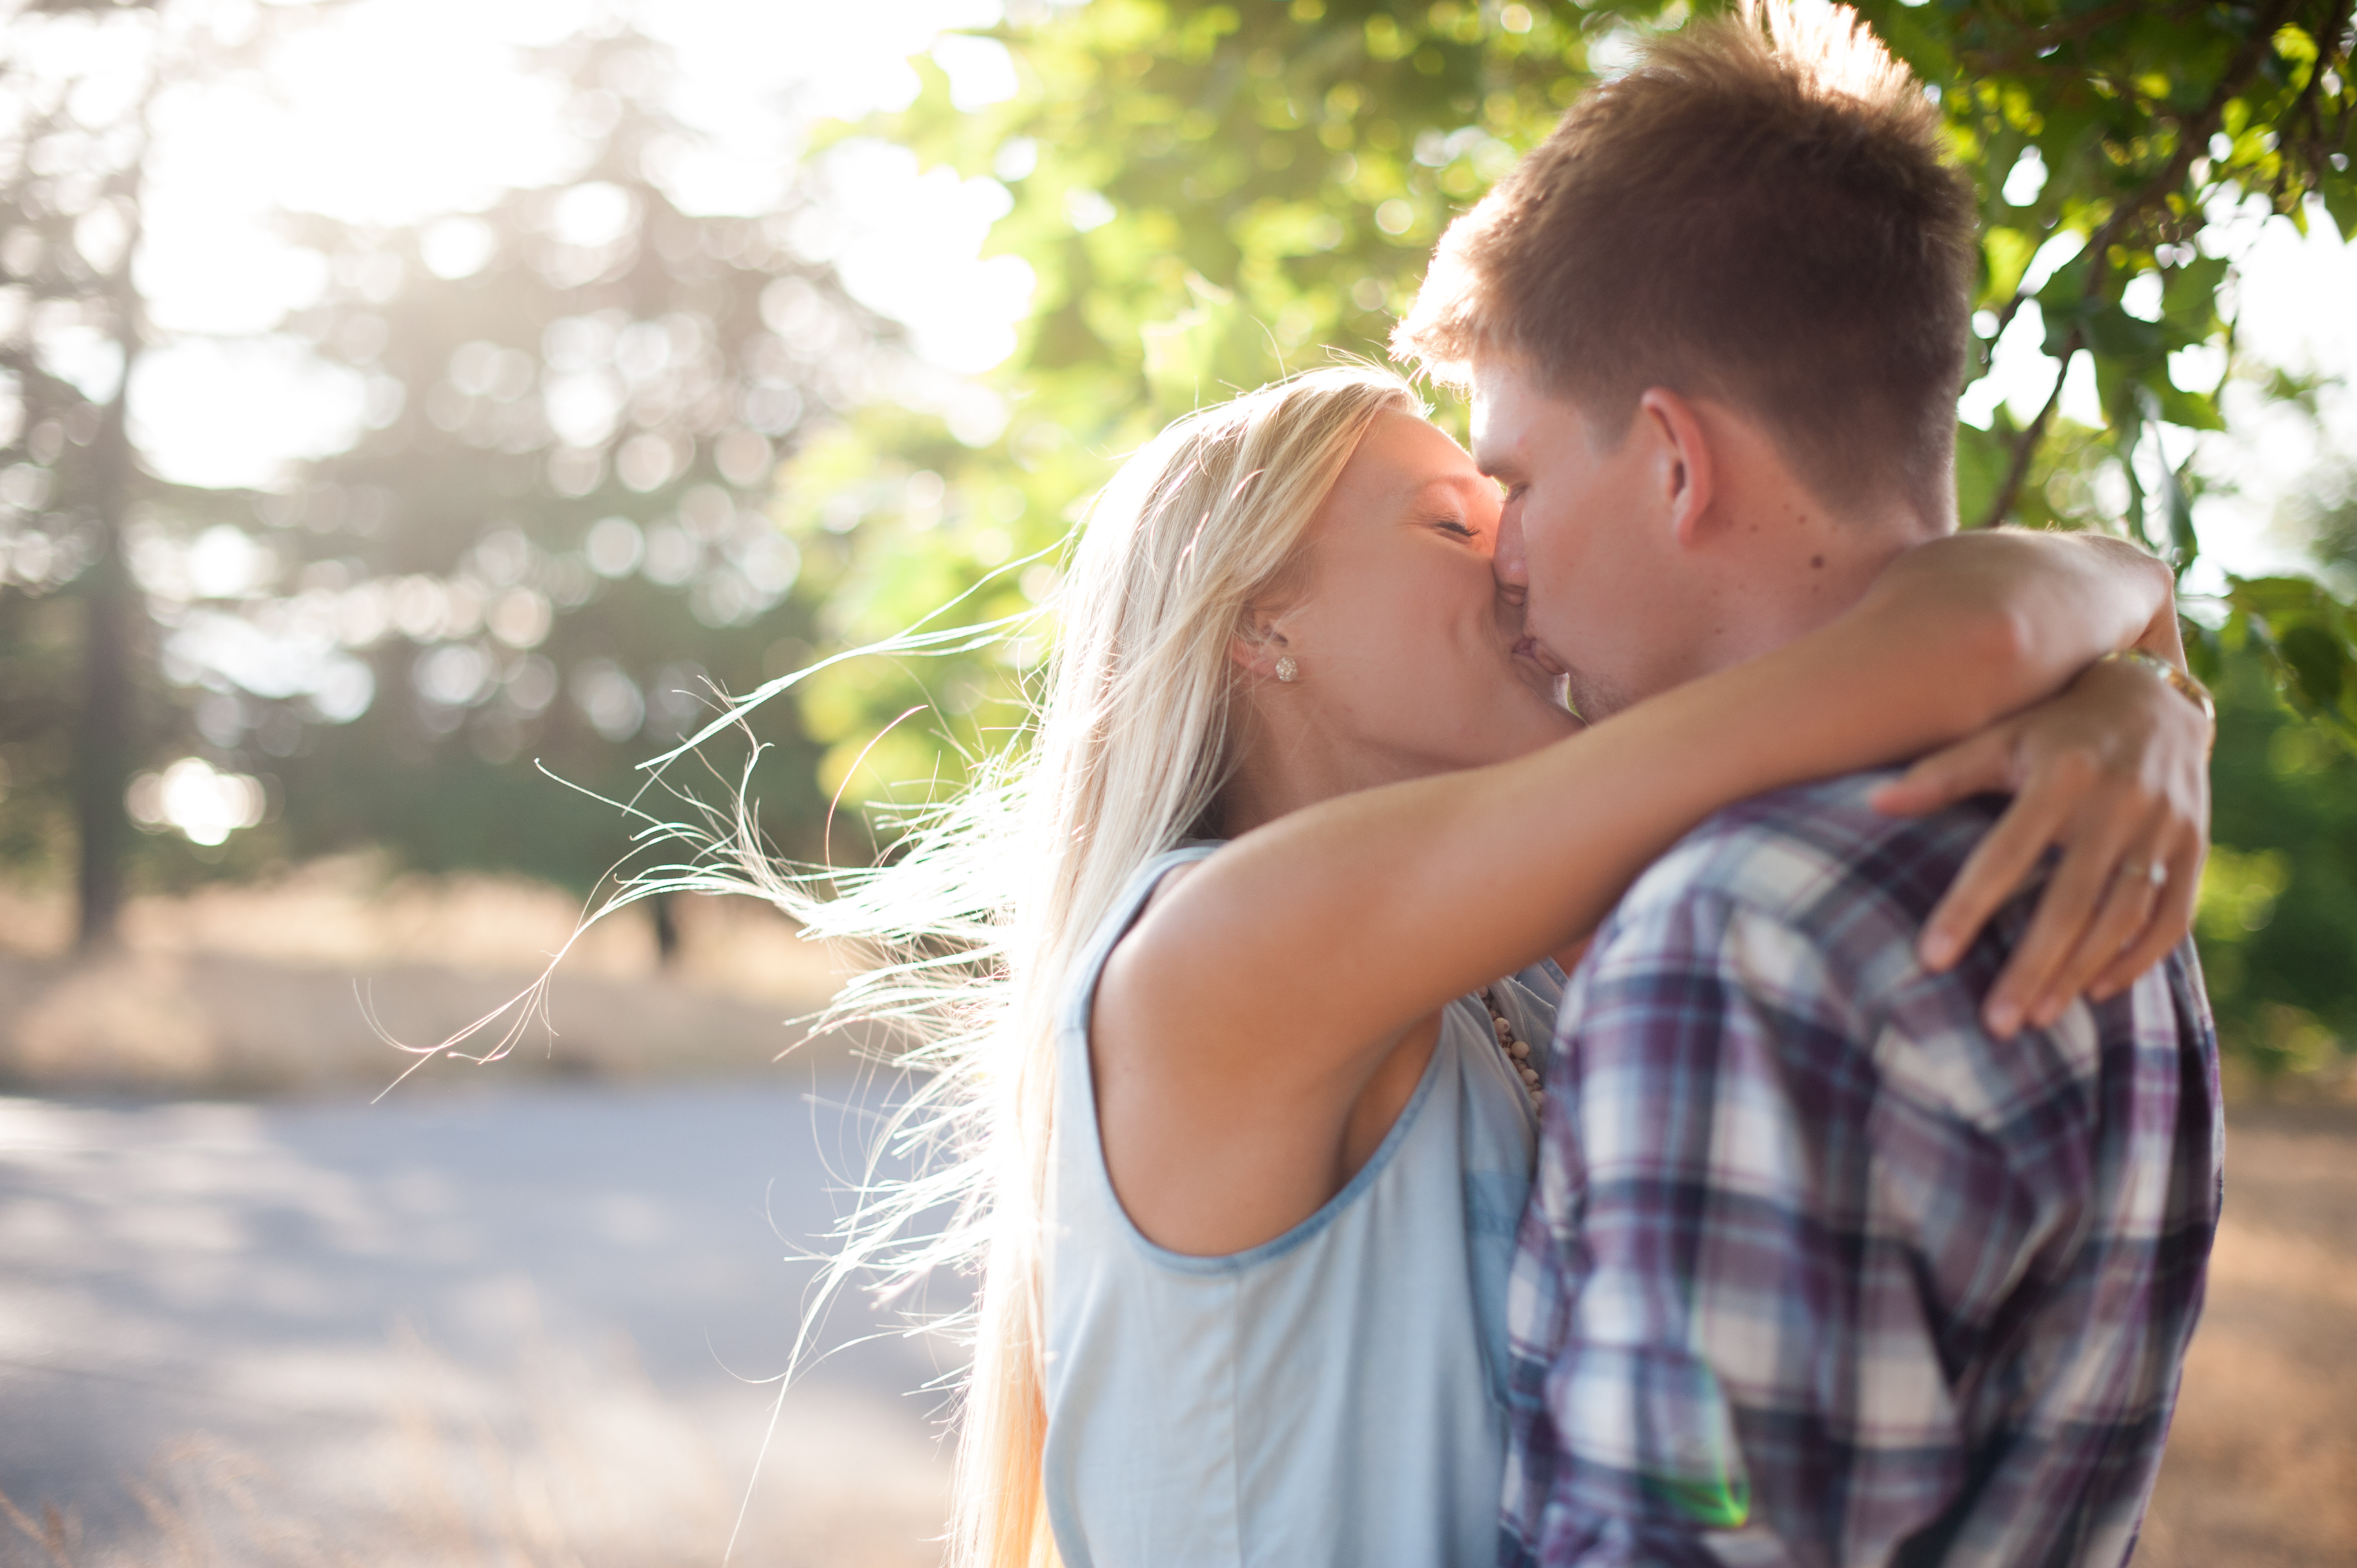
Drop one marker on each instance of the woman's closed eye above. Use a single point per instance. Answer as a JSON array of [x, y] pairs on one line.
[[1456, 526]]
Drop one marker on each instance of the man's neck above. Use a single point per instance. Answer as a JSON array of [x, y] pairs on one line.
[[1784, 571], [1785, 563], [1786, 595]]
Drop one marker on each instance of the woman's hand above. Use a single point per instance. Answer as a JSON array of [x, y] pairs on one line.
[[2115, 771]]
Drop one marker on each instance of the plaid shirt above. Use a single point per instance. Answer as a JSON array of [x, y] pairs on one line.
[[1816, 1271]]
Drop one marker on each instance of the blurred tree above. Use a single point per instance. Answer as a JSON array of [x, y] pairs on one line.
[[547, 541], [73, 170], [2279, 917], [554, 524], [551, 544], [1212, 193]]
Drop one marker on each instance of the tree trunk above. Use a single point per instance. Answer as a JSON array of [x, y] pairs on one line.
[[102, 734], [114, 613]]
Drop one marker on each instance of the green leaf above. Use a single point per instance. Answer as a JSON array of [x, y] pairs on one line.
[[1982, 459], [2189, 294], [2195, 410], [2341, 202], [2065, 293], [2278, 597], [2319, 660], [2006, 253], [2205, 650], [2112, 331]]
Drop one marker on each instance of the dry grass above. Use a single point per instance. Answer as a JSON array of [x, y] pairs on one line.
[[262, 989]]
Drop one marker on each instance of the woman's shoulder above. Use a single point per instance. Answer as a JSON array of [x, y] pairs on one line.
[[1153, 879]]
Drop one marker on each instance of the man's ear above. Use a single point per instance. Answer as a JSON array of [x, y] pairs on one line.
[[1685, 471]]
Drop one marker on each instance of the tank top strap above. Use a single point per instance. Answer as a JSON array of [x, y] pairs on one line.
[[1073, 1017]]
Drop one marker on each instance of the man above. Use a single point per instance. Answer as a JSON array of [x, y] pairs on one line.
[[1833, 1256]]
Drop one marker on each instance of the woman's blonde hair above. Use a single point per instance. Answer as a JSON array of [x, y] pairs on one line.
[[1131, 749], [971, 927]]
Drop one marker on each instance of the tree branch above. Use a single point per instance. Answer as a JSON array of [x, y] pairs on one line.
[[2027, 446], [2192, 139], [2036, 42], [2192, 136], [2329, 45]]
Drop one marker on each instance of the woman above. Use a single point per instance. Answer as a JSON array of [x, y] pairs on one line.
[[1246, 1175]]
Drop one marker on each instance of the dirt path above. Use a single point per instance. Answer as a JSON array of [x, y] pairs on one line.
[[463, 1329], [2262, 1464], [524, 1326]]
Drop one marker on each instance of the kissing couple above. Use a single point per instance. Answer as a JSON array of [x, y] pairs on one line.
[[1621, 997]]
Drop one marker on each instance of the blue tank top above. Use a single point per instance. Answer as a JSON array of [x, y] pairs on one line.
[[1333, 1396]]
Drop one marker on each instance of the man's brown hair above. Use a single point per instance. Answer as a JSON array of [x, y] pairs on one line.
[[1759, 214]]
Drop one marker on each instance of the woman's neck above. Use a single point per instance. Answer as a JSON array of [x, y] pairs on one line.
[[1285, 768]]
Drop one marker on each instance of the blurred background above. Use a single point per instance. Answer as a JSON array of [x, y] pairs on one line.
[[414, 414]]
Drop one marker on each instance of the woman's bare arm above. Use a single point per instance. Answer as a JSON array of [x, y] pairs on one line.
[[1240, 1020]]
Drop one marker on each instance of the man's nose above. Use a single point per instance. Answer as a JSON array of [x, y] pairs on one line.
[[1509, 561]]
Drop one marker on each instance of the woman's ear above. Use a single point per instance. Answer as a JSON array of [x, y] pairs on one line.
[[1685, 470], [1258, 644]]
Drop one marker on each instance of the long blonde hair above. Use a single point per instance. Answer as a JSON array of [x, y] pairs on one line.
[[1131, 750], [972, 926]]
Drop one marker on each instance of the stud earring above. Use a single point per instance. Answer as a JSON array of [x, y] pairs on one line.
[[1287, 669]]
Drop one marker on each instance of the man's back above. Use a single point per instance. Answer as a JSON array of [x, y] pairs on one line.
[[1816, 1269]]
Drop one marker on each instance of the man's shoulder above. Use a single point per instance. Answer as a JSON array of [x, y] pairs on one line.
[[1817, 858], [1809, 904]]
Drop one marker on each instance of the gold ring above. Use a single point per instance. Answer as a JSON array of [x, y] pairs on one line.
[[2151, 871]]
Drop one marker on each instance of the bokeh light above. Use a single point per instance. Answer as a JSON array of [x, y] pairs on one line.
[[197, 800]]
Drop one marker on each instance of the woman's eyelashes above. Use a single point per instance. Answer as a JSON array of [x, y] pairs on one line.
[[1457, 526]]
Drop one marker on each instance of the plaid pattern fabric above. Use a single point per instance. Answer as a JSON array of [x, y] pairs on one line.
[[1815, 1271]]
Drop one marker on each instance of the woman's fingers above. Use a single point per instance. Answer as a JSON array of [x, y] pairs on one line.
[[2064, 911], [1992, 874], [1972, 766], [2172, 916], [2112, 773], [2125, 910]]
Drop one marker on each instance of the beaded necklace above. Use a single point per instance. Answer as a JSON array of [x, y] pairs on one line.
[[1517, 1052]]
